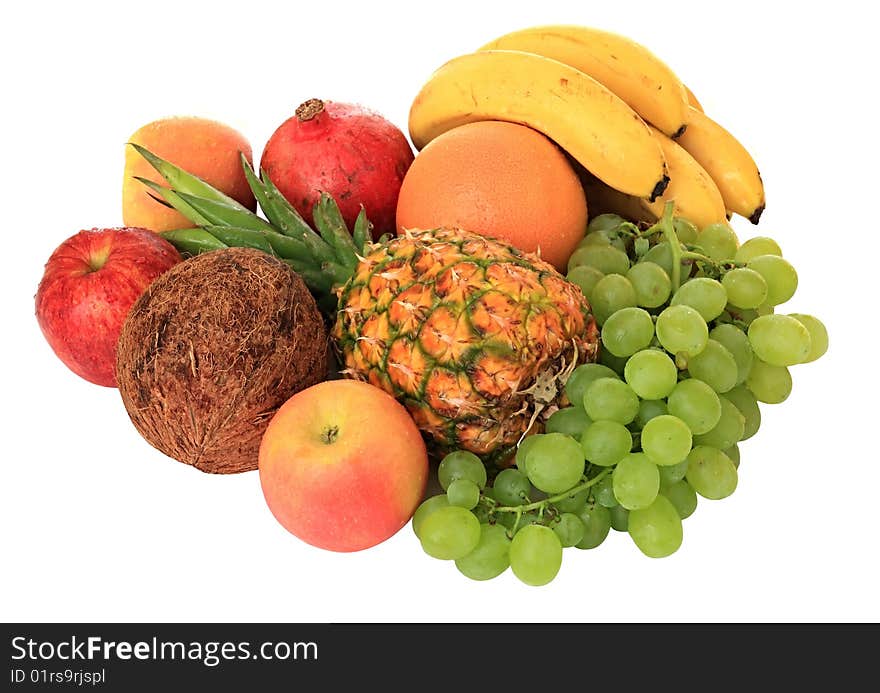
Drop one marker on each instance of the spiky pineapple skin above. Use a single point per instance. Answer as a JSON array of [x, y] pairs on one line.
[[456, 327]]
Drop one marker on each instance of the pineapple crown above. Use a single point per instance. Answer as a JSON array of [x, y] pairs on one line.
[[325, 258]]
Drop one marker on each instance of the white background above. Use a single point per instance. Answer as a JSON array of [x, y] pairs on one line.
[[98, 526]]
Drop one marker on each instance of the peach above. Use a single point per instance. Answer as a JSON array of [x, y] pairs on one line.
[[203, 147], [342, 465]]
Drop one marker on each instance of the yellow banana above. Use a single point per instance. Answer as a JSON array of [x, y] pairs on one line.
[[728, 162], [604, 200], [691, 188], [625, 67], [584, 118], [692, 100]]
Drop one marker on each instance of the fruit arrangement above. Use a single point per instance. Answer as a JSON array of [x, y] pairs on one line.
[[547, 303]]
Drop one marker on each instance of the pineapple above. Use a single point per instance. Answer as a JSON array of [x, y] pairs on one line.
[[473, 336]]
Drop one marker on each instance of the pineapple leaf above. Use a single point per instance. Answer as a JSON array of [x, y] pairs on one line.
[[290, 248], [172, 199], [241, 238], [222, 214], [193, 241], [329, 221], [361, 233], [285, 219], [184, 182]]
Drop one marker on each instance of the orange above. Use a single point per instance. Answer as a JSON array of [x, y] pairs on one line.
[[497, 179]]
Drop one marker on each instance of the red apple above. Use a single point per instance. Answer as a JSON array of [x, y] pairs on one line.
[[88, 286], [342, 465]]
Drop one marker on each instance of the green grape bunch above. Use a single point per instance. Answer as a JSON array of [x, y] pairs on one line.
[[693, 343]]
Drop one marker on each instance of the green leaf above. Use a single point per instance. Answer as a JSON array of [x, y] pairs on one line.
[[238, 237], [222, 214], [193, 241], [361, 234], [174, 200], [184, 182], [329, 221], [284, 216]]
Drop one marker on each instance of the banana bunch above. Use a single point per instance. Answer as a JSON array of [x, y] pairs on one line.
[[617, 109]]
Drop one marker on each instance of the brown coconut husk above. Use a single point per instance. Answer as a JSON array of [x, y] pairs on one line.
[[211, 350]]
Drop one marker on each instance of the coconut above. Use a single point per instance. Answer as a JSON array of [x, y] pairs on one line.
[[210, 351]]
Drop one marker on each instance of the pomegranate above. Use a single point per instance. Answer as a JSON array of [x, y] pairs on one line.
[[346, 150]]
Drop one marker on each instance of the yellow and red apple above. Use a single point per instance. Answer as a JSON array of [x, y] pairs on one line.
[[342, 465]]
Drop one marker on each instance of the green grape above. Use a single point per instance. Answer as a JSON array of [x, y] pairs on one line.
[[511, 486], [464, 493], [571, 421], [681, 329], [686, 231], [707, 296], [695, 403], [711, 473], [585, 277], [741, 318], [605, 258], [609, 399], [765, 309], [596, 520], [651, 283], [661, 255], [666, 440], [673, 473], [580, 379], [818, 335], [636, 481], [627, 330], [619, 517], [535, 555], [715, 366], [781, 277], [648, 409], [743, 399], [490, 557], [745, 288], [461, 465], [427, 507], [605, 222], [522, 451], [611, 293], [769, 384], [555, 463], [615, 363], [729, 429], [656, 529], [718, 241], [733, 453], [569, 529], [759, 245], [611, 238], [651, 374], [604, 492], [449, 533], [779, 340], [605, 443], [737, 343], [573, 502]]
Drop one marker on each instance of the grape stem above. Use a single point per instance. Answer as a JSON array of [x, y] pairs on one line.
[[665, 224], [542, 504]]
